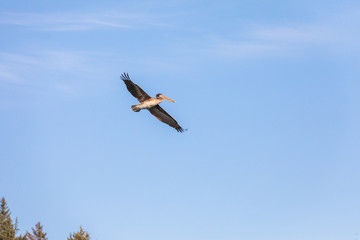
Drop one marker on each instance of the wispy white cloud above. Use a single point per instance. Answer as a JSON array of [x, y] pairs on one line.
[[73, 21], [9, 76], [239, 48], [51, 59], [11, 64], [64, 60], [333, 33], [23, 69], [11, 57], [287, 34]]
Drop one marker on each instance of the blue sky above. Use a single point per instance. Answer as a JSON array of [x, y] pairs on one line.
[[269, 92]]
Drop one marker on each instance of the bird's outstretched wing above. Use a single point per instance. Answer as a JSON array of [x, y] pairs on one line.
[[163, 116], [134, 89]]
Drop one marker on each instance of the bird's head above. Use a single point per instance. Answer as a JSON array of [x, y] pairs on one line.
[[161, 96]]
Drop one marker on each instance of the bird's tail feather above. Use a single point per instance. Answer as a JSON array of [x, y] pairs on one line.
[[135, 108]]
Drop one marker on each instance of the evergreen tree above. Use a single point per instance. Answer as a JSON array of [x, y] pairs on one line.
[[21, 237], [7, 227], [38, 233], [81, 235]]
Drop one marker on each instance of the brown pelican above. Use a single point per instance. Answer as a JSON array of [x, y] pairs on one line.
[[149, 103]]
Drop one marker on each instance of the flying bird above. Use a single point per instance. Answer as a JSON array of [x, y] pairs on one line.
[[149, 103]]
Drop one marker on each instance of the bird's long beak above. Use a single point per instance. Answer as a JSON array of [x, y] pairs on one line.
[[169, 99]]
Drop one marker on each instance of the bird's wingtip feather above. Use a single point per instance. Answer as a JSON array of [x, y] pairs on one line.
[[180, 129], [125, 76]]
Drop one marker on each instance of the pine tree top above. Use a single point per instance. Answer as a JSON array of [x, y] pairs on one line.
[[4, 208], [7, 227], [81, 235], [38, 233]]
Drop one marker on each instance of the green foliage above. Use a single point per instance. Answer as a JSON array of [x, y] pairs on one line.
[[81, 235], [21, 237], [7, 227], [38, 233]]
